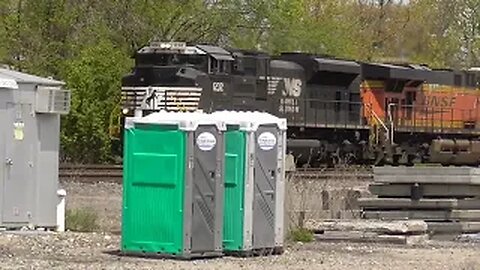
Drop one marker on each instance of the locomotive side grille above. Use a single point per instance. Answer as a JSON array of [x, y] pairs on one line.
[[162, 98]]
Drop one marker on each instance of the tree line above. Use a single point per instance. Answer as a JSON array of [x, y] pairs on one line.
[[89, 44]]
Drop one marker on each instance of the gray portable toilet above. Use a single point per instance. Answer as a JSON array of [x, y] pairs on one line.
[[263, 188], [30, 109], [173, 185]]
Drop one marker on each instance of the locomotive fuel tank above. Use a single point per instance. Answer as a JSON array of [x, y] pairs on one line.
[[305, 151], [455, 152]]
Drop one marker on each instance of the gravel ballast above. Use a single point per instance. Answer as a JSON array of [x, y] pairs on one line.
[[25, 250]]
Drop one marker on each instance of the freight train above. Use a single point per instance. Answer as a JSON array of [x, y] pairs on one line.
[[338, 111]]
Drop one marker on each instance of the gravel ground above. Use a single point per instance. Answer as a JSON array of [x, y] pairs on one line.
[[41, 250], [97, 251]]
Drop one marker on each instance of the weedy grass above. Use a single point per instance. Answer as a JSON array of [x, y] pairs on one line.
[[301, 235], [81, 220]]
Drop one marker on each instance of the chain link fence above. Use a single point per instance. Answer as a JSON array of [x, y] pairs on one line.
[[325, 194]]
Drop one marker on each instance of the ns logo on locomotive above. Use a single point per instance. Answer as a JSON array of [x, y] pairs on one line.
[[338, 111]]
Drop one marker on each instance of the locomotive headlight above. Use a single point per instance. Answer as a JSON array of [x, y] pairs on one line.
[[125, 111], [169, 45], [165, 45]]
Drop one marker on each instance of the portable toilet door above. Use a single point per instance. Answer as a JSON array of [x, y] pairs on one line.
[[207, 184], [236, 230], [173, 186], [269, 137]]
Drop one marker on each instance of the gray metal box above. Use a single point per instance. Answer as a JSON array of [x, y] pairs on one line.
[[29, 147]]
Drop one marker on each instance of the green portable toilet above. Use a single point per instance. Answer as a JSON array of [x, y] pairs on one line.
[[254, 182], [173, 185]]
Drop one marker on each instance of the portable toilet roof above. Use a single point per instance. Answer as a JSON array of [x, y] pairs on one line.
[[8, 75], [184, 120], [248, 120]]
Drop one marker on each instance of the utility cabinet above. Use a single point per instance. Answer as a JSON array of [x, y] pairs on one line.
[[254, 182], [30, 109], [173, 185]]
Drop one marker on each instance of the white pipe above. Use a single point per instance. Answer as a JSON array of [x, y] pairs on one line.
[[61, 193], [390, 118]]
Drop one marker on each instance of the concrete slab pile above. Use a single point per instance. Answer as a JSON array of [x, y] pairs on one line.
[[446, 198]]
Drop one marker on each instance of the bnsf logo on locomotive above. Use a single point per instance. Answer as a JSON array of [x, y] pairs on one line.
[[437, 101]]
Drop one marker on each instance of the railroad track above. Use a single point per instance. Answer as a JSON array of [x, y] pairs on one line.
[[114, 173], [91, 173]]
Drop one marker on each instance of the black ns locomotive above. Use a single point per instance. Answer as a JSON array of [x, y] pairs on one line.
[[320, 97]]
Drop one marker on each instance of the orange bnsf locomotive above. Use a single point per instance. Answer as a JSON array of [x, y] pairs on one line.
[[338, 111], [433, 117]]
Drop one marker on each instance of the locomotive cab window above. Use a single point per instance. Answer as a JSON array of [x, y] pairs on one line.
[[167, 59], [218, 66]]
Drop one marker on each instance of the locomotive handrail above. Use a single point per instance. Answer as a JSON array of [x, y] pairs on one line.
[[317, 112], [149, 94], [435, 118], [390, 119], [379, 120]]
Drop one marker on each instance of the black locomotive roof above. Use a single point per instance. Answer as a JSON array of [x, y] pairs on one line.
[[216, 52], [282, 64], [337, 65], [442, 76], [464, 78], [258, 54], [316, 63], [390, 71]]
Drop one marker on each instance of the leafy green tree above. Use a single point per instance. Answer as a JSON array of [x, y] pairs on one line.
[[88, 43], [94, 77], [36, 35], [432, 35], [469, 27]]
